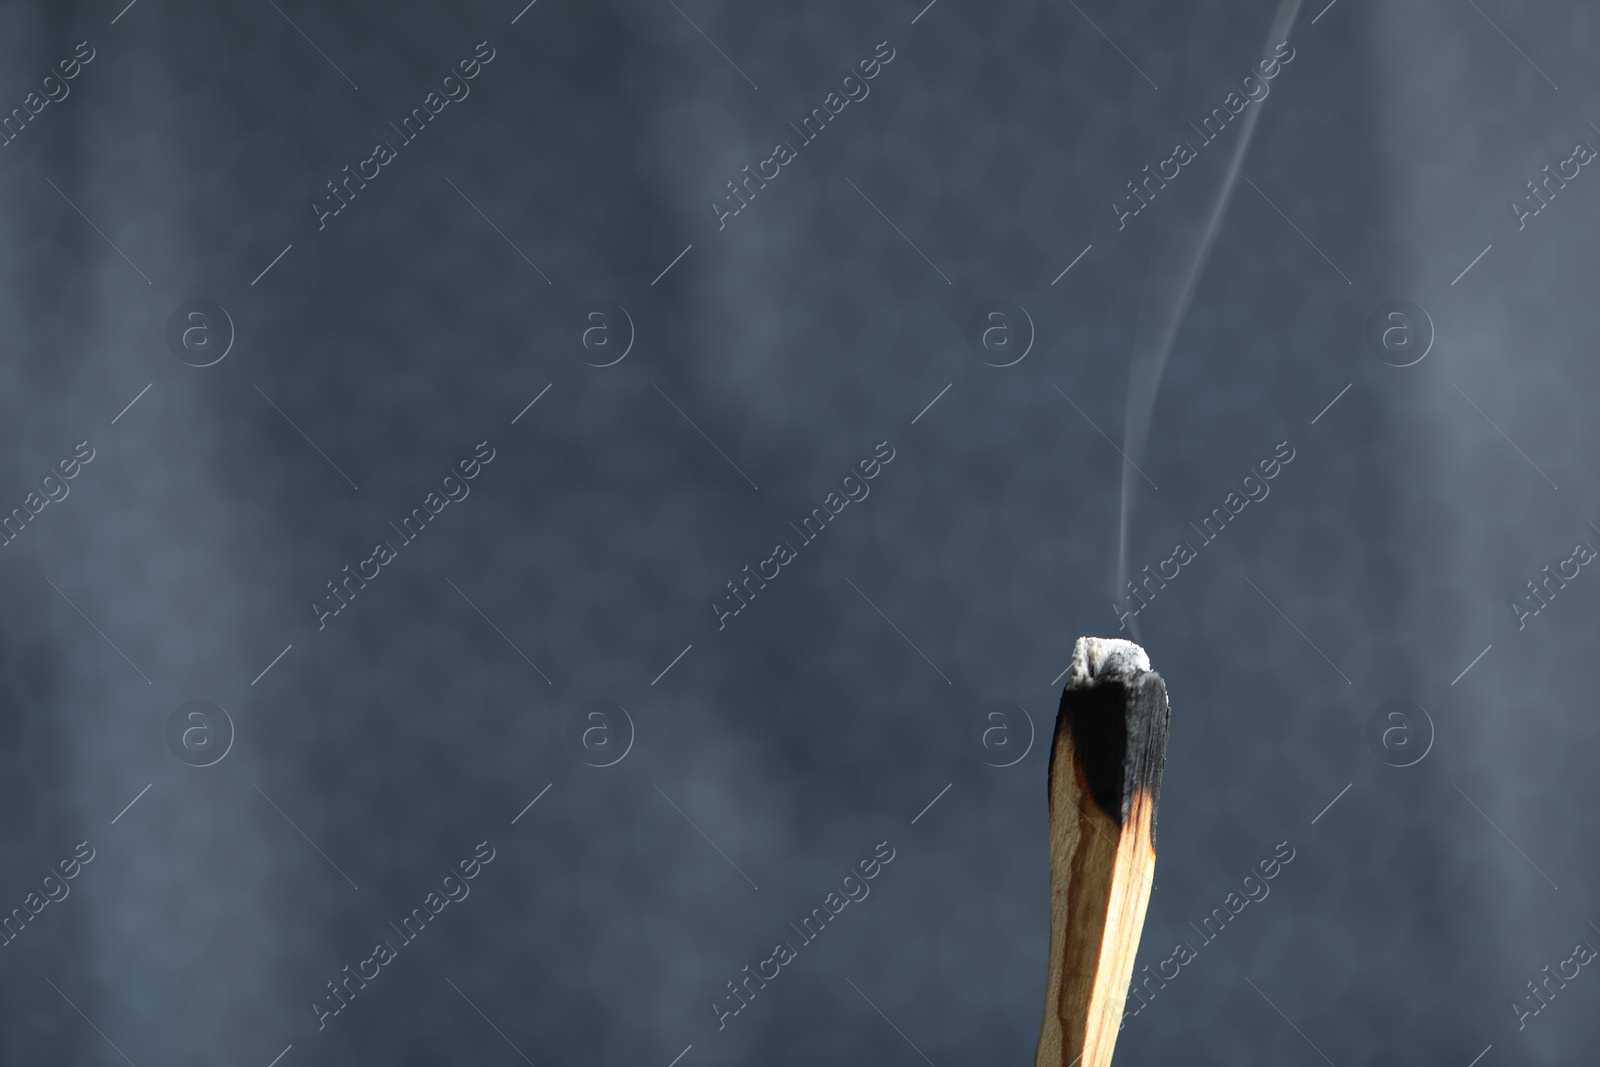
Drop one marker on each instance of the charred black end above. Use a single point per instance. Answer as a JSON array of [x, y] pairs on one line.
[[1118, 728]]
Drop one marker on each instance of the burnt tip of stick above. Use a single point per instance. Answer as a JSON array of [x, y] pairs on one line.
[[1114, 713]]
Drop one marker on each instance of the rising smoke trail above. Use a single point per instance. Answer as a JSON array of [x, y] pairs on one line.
[[1149, 364]]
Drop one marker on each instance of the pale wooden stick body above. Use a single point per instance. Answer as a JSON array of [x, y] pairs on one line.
[[1105, 769]]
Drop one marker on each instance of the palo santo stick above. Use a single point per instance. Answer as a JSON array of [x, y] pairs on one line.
[[1105, 771]]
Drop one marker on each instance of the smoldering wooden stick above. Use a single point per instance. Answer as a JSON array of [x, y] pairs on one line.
[[1105, 771]]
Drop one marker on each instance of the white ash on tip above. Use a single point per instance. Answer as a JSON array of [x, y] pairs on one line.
[[1094, 658]]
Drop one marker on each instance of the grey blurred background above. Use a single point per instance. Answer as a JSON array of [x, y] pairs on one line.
[[1441, 859]]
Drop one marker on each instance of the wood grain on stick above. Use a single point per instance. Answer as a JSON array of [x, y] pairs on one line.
[[1105, 773]]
